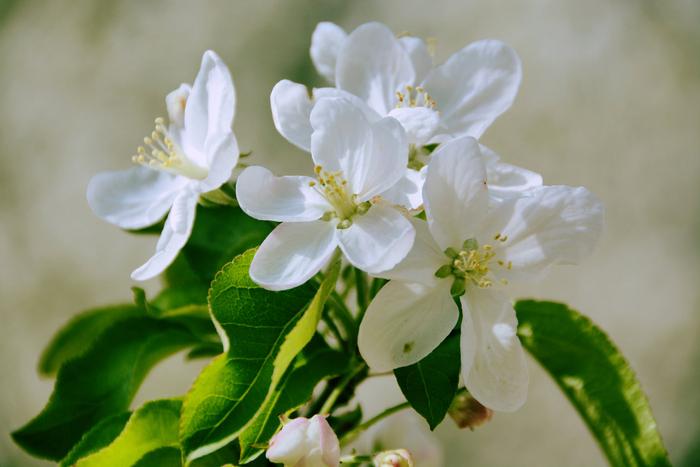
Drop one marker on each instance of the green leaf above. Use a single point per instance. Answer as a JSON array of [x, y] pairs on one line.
[[316, 363], [219, 234], [168, 456], [79, 333], [596, 379], [262, 332], [431, 384], [101, 382], [98, 437], [151, 427]]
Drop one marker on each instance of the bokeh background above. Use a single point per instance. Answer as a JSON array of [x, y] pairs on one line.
[[610, 100]]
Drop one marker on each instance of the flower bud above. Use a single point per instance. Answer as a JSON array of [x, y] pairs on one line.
[[395, 458], [305, 442], [467, 412]]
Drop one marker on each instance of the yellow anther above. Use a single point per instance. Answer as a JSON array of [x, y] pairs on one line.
[[497, 236], [312, 183]]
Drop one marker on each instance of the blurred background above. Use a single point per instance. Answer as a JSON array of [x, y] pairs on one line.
[[610, 100]]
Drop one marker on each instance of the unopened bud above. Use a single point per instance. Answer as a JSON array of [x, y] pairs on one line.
[[305, 442], [395, 458], [467, 412]]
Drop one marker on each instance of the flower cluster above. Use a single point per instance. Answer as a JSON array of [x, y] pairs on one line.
[[401, 188]]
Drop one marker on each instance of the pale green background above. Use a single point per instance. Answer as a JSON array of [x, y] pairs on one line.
[[610, 100]]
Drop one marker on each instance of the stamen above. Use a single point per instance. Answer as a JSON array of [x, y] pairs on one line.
[[161, 153], [415, 97], [334, 189]]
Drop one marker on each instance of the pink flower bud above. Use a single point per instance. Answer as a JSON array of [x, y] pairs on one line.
[[395, 458], [305, 442]]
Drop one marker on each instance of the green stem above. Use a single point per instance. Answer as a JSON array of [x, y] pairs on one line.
[[352, 434], [333, 328], [344, 315], [362, 293], [338, 390]]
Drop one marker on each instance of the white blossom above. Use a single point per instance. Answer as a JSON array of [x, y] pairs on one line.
[[396, 77], [194, 154], [355, 160], [472, 246]]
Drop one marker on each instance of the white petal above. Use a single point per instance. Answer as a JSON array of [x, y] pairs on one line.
[[510, 180], [420, 123], [474, 86], [293, 253], [424, 259], [373, 65], [210, 107], [550, 225], [420, 56], [289, 445], [377, 240], [321, 432], [455, 193], [507, 180], [371, 156], [498, 376], [408, 191], [176, 102], [223, 156], [176, 232], [291, 107], [326, 42], [133, 198], [283, 199], [405, 322]]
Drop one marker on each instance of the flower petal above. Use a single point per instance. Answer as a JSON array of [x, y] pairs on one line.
[[510, 180], [420, 56], [424, 259], [507, 180], [176, 232], [283, 199], [373, 65], [176, 102], [474, 86], [223, 152], [408, 191], [371, 156], [289, 445], [377, 240], [291, 107], [210, 107], [498, 376], [293, 253], [405, 322], [133, 198], [329, 445], [455, 193], [420, 123], [326, 42], [550, 225]]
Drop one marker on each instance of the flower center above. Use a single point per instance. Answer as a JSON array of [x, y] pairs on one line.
[[160, 152], [472, 264], [414, 97], [335, 189]]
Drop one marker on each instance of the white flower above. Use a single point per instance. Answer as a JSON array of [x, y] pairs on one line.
[[195, 154], [472, 246], [396, 77], [356, 159], [305, 442], [395, 458]]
